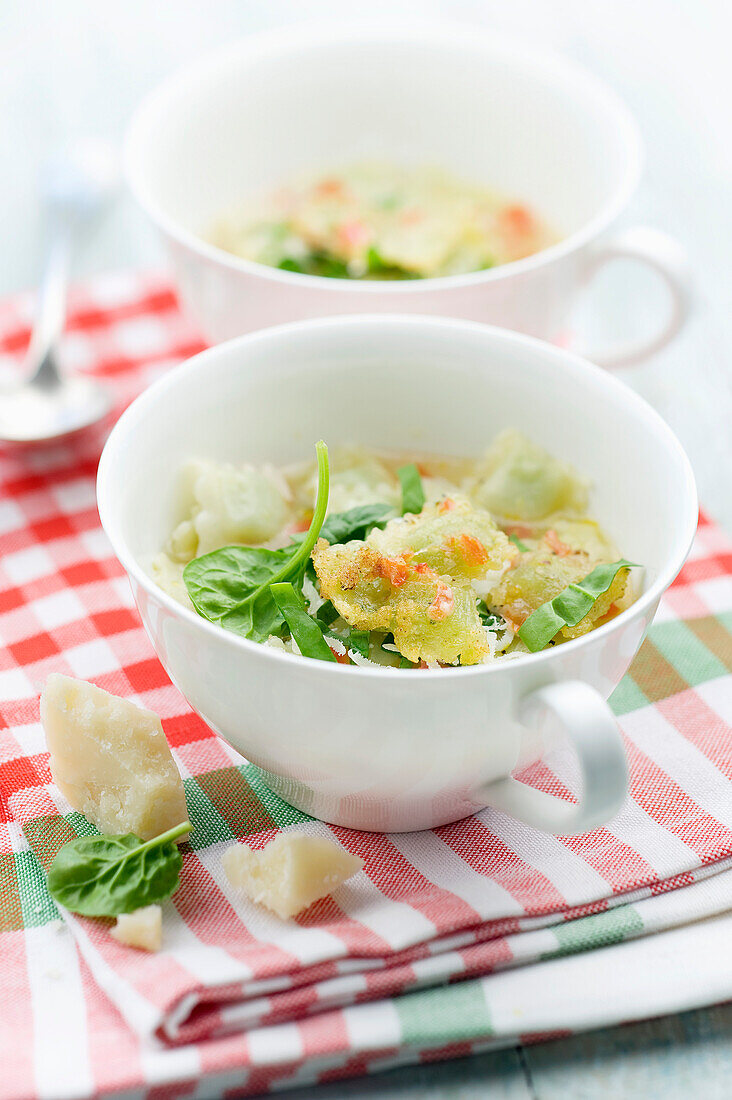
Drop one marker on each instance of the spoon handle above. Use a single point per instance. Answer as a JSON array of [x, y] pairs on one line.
[[51, 305]]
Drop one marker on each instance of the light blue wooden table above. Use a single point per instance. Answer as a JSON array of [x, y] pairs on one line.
[[674, 1058], [77, 69]]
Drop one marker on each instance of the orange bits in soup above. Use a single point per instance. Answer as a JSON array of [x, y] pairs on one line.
[[459, 541], [433, 617]]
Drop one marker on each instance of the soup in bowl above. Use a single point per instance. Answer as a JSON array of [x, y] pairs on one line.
[[390, 748], [372, 559], [456, 117]]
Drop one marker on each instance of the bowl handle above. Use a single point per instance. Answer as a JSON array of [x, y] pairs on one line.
[[664, 255], [593, 733]]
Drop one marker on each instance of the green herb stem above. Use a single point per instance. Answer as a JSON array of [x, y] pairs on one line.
[[171, 834], [291, 567]]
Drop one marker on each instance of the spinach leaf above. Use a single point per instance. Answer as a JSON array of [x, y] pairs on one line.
[[517, 542], [327, 265], [316, 263], [288, 264], [375, 262], [360, 640], [377, 265], [103, 876], [303, 628], [570, 606], [220, 585], [412, 491], [491, 619], [326, 614], [356, 522], [230, 586]]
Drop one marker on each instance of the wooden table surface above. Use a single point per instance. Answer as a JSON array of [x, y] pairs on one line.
[[675, 1058], [77, 69]]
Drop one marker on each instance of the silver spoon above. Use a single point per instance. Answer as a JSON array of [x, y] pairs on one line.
[[47, 405]]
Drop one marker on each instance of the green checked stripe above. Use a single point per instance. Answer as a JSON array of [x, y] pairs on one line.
[[231, 803], [209, 827], [627, 697], [654, 675], [447, 1014], [11, 910], [283, 814], [232, 796], [674, 657], [715, 632], [597, 930], [683, 648], [45, 836], [38, 908]]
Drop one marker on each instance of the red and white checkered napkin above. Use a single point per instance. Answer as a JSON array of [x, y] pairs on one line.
[[475, 934]]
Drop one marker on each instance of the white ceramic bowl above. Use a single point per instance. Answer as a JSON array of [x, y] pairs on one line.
[[302, 100], [381, 748]]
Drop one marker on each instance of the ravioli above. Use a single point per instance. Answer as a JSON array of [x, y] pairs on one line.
[[356, 478], [228, 505], [517, 480], [540, 575], [432, 617], [452, 537]]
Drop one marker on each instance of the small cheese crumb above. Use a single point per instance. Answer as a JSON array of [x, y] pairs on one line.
[[292, 872], [111, 760], [142, 928]]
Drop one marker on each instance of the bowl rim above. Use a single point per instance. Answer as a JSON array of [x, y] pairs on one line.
[[280, 40], [149, 397]]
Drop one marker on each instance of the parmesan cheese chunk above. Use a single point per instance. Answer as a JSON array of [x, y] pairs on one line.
[[111, 760], [142, 928], [292, 872]]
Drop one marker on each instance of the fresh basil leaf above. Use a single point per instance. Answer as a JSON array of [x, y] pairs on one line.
[[570, 606], [103, 876], [230, 586], [517, 542], [303, 627], [412, 492], [356, 522]]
